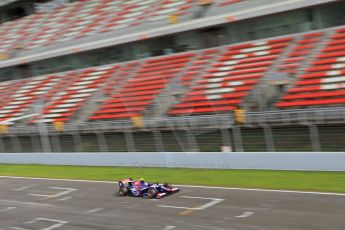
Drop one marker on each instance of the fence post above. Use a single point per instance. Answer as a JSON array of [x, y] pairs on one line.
[[2, 147], [130, 142], [45, 139], [238, 139], [55, 143], [314, 137], [102, 144], [182, 145], [269, 138], [43, 131], [158, 141], [192, 143], [226, 138], [77, 142], [36, 144], [15, 144]]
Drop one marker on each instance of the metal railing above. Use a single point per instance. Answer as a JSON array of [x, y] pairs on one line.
[[237, 138], [292, 130], [217, 121]]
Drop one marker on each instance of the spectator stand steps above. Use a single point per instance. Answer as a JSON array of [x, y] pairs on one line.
[[140, 91], [180, 85], [197, 71], [110, 73], [307, 47], [231, 78], [260, 97]]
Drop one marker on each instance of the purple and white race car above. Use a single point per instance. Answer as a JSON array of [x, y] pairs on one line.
[[140, 188]]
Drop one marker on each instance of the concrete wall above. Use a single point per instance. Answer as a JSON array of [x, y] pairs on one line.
[[272, 161]]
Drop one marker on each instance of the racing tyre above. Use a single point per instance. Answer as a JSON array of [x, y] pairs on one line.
[[151, 193], [123, 191]]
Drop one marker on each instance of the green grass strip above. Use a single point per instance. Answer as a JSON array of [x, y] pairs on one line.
[[266, 179]]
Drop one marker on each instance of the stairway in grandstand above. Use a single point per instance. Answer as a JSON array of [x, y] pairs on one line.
[[231, 78], [140, 90]]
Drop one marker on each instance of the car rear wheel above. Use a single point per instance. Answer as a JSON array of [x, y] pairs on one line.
[[151, 193], [123, 192]]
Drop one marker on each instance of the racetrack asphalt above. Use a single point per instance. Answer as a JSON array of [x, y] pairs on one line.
[[32, 204]]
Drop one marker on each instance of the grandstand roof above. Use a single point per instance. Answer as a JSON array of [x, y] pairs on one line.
[[149, 30], [5, 2]]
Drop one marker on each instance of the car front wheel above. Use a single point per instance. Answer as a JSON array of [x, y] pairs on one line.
[[123, 192], [151, 193]]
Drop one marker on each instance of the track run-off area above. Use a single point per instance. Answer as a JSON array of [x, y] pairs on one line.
[[48, 204]]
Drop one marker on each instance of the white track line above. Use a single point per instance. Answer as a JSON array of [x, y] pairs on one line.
[[18, 228], [8, 209], [198, 197], [65, 198], [265, 190], [207, 205], [213, 202], [210, 204], [68, 190], [245, 215], [183, 186], [21, 188], [58, 224], [25, 204], [177, 207], [95, 210]]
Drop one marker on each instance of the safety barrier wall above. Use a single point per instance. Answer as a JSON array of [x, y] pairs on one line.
[[321, 161]]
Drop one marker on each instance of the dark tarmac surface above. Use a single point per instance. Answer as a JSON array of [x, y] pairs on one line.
[[31, 204]]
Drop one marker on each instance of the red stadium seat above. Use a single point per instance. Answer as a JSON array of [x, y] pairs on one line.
[[140, 91], [231, 78], [323, 82]]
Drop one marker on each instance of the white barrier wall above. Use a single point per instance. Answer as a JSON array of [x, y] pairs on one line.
[[325, 161]]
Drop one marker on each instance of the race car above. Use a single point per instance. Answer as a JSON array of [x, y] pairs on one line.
[[140, 188]]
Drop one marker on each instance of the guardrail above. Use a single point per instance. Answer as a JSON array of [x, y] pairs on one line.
[[217, 121]]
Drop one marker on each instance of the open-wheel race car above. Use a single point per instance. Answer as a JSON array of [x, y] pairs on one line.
[[140, 188]]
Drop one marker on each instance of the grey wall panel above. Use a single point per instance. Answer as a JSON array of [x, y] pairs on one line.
[[271, 161]]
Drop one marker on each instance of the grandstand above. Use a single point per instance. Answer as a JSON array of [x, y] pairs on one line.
[[173, 75]]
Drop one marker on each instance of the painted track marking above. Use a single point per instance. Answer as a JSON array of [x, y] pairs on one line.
[[245, 215], [22, 188], [8, 209], [169, 227], [177, 207], [25, 204], [18, 228], [207, 205], [65, 198], [95, 210], [189, 210], [213, 202], [184, 186], [58, 224], [59, 194]]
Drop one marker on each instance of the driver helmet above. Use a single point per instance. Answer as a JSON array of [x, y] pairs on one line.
[[142, 181]]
